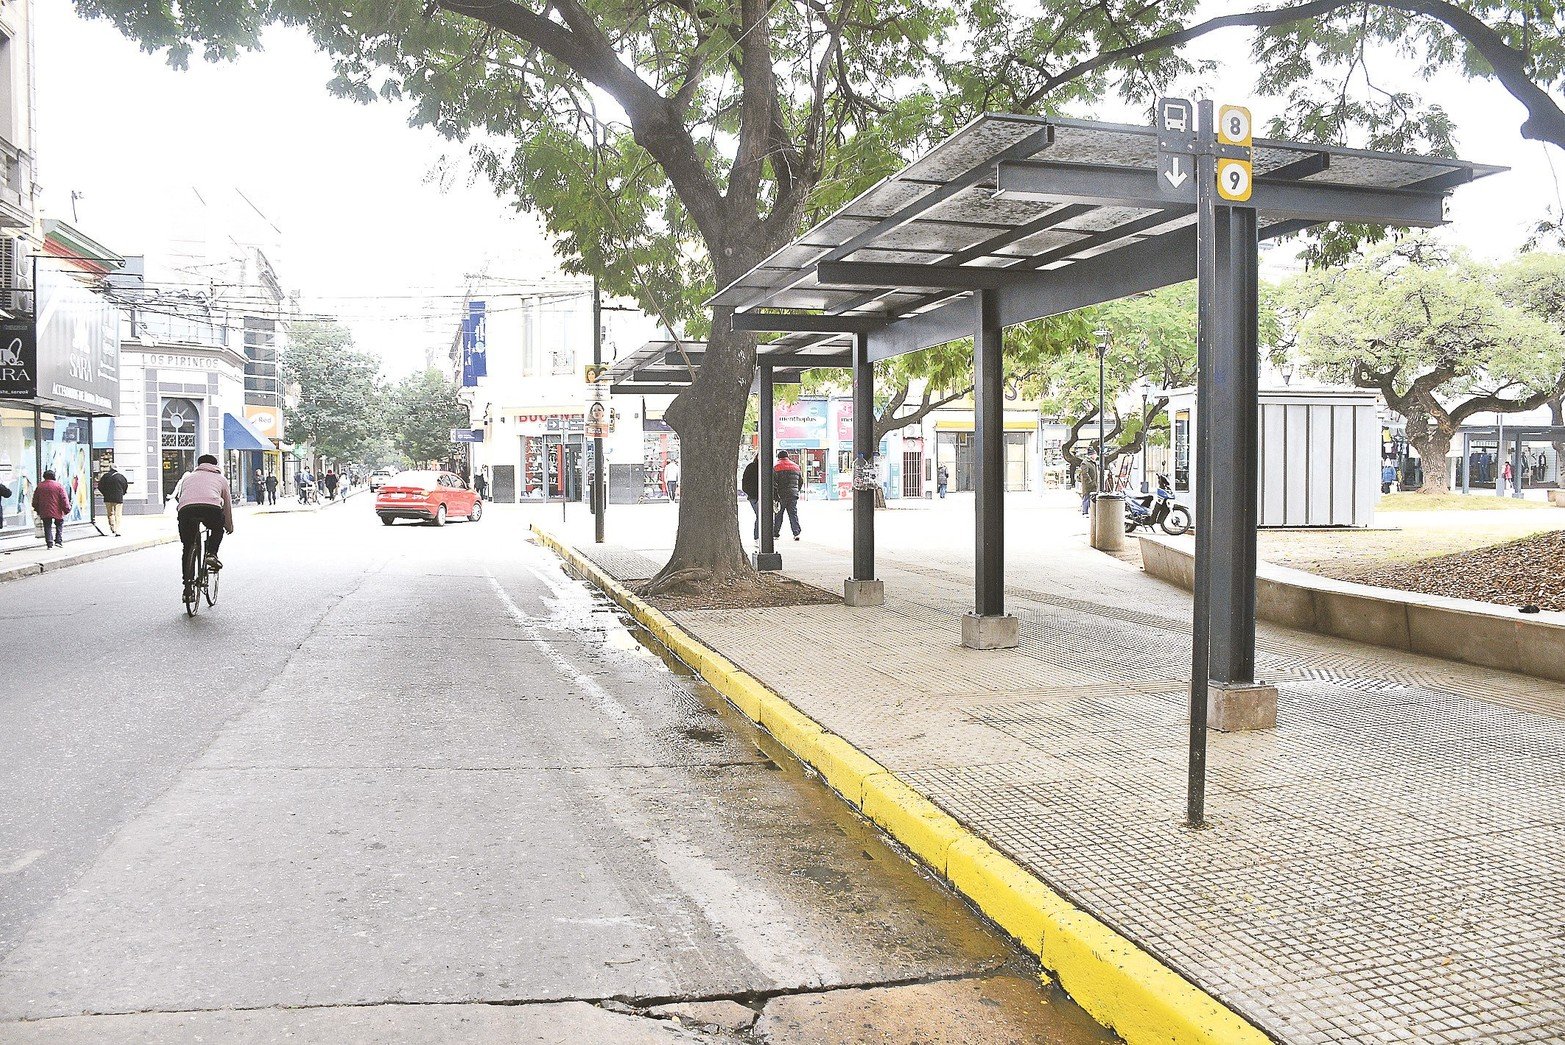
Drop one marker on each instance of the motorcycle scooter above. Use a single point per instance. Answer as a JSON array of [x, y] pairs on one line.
[[1159, 509]]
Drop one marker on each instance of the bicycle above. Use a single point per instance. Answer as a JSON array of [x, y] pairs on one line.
[[205, 585]]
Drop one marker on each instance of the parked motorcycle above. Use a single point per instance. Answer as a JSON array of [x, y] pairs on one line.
[[1159, 509]]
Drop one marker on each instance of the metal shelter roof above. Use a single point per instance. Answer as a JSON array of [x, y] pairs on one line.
[[661, 368], [1053, 215]]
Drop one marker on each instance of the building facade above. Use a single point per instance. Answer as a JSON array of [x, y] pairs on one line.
[[521, 359]]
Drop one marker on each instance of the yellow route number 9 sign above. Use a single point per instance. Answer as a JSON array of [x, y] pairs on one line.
[[1234, 180]]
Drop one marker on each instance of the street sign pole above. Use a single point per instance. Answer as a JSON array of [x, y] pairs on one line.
[[598, 497], [1200, 624]]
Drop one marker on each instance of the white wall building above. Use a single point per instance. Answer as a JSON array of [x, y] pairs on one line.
[[529, 406]]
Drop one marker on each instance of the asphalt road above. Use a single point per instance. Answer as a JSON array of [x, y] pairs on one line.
[[416, 785]]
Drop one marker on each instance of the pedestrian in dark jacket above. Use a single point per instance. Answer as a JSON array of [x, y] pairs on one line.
[[271, 487], [942, 480], [750, 483], [51, 504], [787, 482], [258, 487], [331, 486], [481, 486], [112, 485]]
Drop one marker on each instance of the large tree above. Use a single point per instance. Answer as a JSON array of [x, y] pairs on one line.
[[1535, 283], [420, 413], [336, 406], [1431, 331], [671, 145]]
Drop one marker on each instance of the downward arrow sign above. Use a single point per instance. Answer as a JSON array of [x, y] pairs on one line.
[[1175, 176]]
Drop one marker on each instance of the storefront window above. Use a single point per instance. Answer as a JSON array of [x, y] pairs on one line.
[[67, 451], [18, 469]]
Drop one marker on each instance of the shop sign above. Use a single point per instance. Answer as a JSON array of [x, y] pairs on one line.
[[268, 420], [801, 424], [18, 359], [78, 343], [845, 422], [467, 435]]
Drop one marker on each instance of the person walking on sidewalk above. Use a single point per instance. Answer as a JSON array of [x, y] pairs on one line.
[[1507, 484], [271, 487], [942, 480], [671, 479], [331, 485], [787, 482], [750, 483], [112, 485], [51, 504], [1087, 472], [258, 487], [481, 486]]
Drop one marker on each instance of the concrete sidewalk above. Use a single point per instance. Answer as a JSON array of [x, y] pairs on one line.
[[1385, 866], [29, 559]]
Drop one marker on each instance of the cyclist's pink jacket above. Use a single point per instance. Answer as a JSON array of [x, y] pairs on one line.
[[206, 485]]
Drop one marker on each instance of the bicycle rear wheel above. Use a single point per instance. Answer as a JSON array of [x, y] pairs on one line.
[[209, 585]]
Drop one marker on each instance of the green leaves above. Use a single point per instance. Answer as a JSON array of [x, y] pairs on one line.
[[1416, 319], [421, 411], [337, 408]]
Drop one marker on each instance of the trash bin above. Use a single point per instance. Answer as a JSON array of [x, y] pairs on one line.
[[1108, 522]]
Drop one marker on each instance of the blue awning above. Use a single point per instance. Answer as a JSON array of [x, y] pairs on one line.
[[240, 434]]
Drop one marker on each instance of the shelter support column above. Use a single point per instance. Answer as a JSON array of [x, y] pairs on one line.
[[1236, 701], [989, 626], [862, 589], [767, 559]]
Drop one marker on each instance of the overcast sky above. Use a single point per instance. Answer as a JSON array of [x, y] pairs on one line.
[[371, 234]]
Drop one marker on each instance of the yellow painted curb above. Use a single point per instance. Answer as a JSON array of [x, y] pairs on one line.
[[1122, 986]]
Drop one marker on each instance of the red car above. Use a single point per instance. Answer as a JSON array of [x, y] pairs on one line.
[[430, 497]]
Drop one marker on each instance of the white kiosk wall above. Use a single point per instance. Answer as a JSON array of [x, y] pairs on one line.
[[1319, 454]]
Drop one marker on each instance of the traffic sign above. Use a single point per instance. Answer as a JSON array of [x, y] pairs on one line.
[[1173, 170], [1234, 180], [1176, 146], [1233, 125], [1175, 115]]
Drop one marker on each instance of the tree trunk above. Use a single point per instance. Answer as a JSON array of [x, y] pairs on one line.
[[1433, 450], [708, 417]]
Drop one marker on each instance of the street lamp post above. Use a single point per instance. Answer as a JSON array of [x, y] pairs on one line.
[[1102, 337], [1145, 388]]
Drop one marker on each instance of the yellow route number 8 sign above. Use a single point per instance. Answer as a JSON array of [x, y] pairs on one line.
[[1233, 125], [1234, 180]]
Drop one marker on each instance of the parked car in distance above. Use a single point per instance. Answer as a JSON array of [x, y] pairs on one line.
[[431, 497], [379, 477]]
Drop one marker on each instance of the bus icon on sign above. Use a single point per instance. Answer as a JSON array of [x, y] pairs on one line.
[[1174, 114]]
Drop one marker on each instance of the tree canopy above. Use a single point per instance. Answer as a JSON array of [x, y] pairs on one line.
[[337, 408], [1440, 337], [421, 411]]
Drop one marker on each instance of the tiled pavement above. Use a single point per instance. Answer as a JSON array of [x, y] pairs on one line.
[[1388, 865]]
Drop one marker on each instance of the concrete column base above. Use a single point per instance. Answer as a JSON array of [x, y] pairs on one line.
[[1002, 632], [864, 593], [1241, 707], [767, 562]]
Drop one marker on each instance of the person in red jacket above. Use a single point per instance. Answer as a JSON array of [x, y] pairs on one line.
[[51, 504], [787, 482]]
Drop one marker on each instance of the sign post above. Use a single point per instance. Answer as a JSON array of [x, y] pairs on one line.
[[597, 415]]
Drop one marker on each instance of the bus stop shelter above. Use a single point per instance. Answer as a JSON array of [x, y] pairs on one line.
[[1017, 218]]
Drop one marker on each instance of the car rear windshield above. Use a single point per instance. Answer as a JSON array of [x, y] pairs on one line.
[[416, 480]]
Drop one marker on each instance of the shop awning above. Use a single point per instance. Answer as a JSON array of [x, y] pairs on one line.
[[240, 434]]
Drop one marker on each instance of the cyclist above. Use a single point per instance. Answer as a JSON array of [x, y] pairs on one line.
[[203, 500]]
